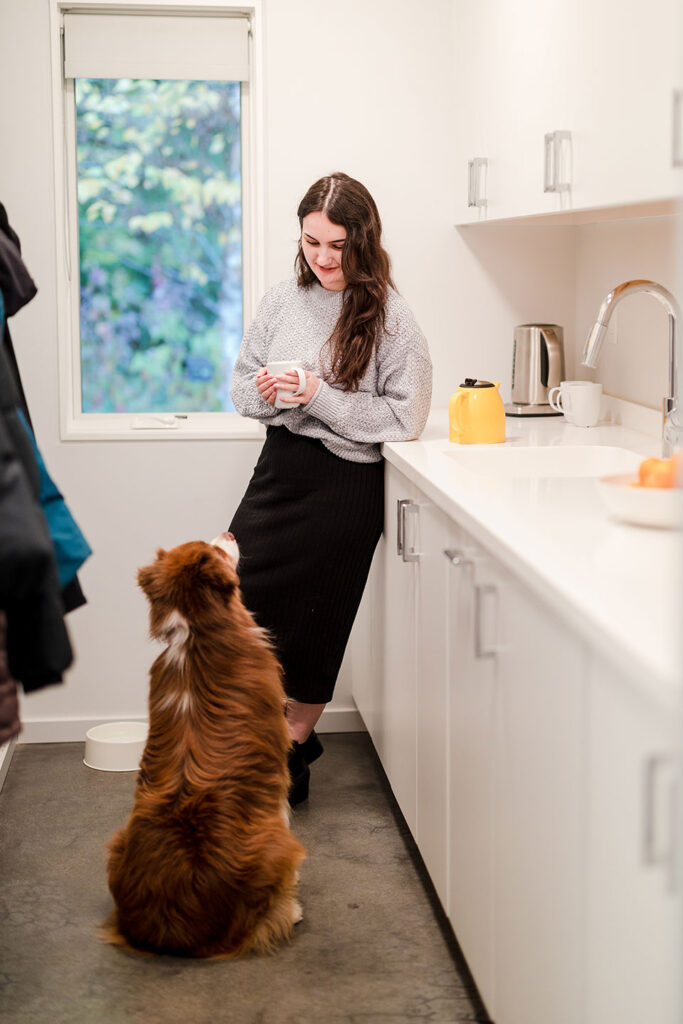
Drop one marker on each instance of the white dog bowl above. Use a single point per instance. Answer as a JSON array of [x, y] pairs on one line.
[[115, 746]]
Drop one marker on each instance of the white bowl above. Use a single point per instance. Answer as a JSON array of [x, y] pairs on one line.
[[643, 506], [115, 746]]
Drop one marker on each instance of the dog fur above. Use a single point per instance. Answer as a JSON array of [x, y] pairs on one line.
[[207, 865]]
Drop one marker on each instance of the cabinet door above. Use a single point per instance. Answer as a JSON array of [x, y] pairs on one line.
[[475, 38], [633, 907], [432, 576], [597, 69], [538, 855], [629, 69], [535, 96], [471, 738], [367, 650], [515, 82], [397, 745]]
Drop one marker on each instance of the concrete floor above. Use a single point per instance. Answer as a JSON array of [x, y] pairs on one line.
[[373, 946]]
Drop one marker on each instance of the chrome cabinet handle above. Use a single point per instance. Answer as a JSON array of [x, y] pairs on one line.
[[458, 558], [400, 524], [548, 163], [557, 158], [408, 508], [471, 194], [655, 852], [677, 149], [476, 181], [481, 591]]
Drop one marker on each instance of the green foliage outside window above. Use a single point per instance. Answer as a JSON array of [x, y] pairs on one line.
[[160, 230]]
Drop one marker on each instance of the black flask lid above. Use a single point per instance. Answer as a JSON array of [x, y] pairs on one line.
[[472, 382]]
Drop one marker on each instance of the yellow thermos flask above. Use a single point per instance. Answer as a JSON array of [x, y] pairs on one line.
[[476, 413]]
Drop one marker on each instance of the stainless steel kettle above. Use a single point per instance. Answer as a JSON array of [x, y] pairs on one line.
[[537, 366]]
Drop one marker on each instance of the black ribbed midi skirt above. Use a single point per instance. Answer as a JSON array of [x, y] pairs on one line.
[[307, 528]]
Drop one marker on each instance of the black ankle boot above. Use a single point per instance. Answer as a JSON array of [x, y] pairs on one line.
[[311, 748], [299, 774]]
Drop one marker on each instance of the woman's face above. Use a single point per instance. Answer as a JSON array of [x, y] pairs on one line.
[[322, 243]]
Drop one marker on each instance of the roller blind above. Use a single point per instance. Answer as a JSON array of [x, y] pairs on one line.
[[163, 46]]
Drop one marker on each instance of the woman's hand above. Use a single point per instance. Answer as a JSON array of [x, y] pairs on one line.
[[266, 385], [289, 382]]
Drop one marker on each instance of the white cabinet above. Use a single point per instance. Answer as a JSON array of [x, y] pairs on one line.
[[537, 812], [366, 650], [632, 903], [515, 83], [396, 740], [515, 794], [629, 69], [535, 97], [596, 69], [474, 26], [538, 783], [405, 714], [431, 577], [471, 724]]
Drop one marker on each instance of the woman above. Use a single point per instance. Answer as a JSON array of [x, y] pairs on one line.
[[310, 520]]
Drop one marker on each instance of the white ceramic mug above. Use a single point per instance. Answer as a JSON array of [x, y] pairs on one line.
[[284, 366], [579, 400]]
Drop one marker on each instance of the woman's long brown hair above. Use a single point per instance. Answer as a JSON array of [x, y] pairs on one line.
[[366, 268]]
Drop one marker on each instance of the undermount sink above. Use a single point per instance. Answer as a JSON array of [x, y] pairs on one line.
[[545, 461]]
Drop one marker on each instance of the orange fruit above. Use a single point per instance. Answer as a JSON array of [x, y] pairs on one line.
[[657, 473], [677, 459]]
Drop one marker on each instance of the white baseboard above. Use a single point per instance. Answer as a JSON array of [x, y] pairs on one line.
[[73, 730], [65, 730], [6, 751], [340, 720]]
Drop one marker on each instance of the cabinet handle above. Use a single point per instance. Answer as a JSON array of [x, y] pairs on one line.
[[400, 524], [557, 157], [654, 852], [476, 170], [677, 152], [548, 164], [456, 557], [481, 591], [408, 508]]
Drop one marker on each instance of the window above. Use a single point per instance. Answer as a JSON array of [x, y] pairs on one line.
[[160, 243], [156, 131]]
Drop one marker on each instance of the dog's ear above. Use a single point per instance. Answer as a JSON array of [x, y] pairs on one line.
[[148, 581], [148, 575]]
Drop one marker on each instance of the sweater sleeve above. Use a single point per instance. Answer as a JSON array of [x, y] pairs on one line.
[[252, 356], [397, 412]]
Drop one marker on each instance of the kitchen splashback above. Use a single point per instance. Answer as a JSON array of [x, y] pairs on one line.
[[635, 367]]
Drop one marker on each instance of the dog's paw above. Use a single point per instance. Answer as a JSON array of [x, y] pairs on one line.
[[297, 912]]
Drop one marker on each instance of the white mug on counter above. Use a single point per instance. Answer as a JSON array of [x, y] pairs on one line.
[[579, 400], [284, 366]]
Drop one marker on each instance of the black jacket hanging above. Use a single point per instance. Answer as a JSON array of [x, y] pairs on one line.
[[38, 649], [18, 288]]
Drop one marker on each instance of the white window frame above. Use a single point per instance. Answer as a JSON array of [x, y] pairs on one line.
[[76, 425]]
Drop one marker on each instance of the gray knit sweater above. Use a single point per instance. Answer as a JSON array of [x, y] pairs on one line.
[[393, 400]]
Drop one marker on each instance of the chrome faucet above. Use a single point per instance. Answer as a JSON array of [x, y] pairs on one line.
[[671, 426]]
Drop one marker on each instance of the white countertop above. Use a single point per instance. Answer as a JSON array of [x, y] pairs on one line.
[[617, 585]]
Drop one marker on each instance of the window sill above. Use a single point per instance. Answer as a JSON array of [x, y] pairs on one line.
[[162, 427]]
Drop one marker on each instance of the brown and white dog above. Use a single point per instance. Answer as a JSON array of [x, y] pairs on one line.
[[207, 865]]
